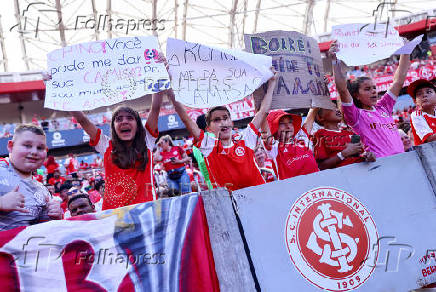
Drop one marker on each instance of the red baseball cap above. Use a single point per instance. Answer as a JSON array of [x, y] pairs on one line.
[[411, 89], [274, 117]]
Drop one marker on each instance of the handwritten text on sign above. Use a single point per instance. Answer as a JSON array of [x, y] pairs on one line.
[[203, 76], [298, 60], [90, 75], [362, 44]]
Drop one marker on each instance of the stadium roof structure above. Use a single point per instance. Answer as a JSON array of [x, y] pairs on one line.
[[31, 29]]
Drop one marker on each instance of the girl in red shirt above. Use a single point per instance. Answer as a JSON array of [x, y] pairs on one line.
[[174, 159], [127, 155], [287, 148]]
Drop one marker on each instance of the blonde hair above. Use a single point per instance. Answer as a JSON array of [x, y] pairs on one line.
[[166, 138], [21, 128]]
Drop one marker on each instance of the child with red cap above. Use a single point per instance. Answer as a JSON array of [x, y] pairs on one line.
[[423, 120], [289, 156]]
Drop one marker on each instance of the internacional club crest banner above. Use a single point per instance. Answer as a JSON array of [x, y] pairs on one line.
[[361, 227], [329, 235]]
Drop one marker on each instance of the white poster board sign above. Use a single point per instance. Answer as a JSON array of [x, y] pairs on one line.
[[362, 44], [361, 227], [101, 73], [204, 76]]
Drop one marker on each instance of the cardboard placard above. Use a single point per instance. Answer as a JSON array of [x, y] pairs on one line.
[[298, 60]]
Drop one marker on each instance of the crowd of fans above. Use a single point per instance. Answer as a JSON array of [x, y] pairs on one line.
[[381, 68], [87, 173], [134, 166], [69, 123], [387, 67]]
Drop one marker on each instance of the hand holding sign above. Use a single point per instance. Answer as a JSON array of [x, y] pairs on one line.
[[90, 75], [362, 44], [204, 76]]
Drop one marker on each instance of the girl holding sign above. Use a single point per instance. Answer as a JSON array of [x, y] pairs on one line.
[[230, 161], [127, 155], [369, 116]]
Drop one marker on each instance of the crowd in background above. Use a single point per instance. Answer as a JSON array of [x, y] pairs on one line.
[[89, 173], [381, 68]]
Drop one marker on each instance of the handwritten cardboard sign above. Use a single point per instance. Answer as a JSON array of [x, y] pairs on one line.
[[101, 73], [298, 60], [362, 44], [204, 76]]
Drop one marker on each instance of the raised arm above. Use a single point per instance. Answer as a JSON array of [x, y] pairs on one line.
[[156, 103], [191, 126], [400, 74], [308, 123], [339, 76], [260, 116], [80, 117], [86, 124], [153, 116]]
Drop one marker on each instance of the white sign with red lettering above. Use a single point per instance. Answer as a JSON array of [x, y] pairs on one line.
[[362, 44], [204, 76], [90, 75]]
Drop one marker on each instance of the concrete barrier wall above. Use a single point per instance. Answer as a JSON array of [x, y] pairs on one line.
[[385, 212]]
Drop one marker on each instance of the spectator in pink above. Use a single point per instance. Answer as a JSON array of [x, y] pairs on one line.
[[368, 116]]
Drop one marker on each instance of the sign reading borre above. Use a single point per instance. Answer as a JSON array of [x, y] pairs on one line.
[[298, 60]]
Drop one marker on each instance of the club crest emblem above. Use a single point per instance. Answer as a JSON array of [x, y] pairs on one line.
[[329, 235], [240, 151]]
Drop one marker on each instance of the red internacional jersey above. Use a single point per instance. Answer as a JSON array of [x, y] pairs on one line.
[[423, 126], [52, 181], [292, 159], [232, 166], [126, 186], [175, 152], [328, 143], [71, 164]]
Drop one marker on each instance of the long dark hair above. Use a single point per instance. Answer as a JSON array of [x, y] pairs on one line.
[[123, 155], [353, 88]]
